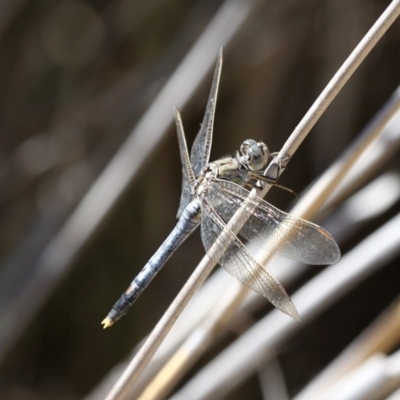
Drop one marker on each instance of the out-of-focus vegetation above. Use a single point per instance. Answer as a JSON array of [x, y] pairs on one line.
[[75, 77]]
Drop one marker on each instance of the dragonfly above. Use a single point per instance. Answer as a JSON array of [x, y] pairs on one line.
[[212, 192]]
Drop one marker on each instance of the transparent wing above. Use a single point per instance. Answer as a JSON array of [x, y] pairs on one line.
[[201, 148], [275, 230], [188, 179], [226, 249]]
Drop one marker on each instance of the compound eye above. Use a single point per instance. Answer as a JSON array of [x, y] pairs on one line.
[[258, 156], [246, 146]]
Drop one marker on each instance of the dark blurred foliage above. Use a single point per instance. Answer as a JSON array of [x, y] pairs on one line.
[[75, 76]]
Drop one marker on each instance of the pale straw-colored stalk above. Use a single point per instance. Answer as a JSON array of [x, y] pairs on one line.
[[382, 336]]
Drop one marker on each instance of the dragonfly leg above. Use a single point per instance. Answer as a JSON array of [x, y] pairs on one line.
[[275, 168]]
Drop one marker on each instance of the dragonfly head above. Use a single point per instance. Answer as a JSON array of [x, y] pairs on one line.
[[257, 154]]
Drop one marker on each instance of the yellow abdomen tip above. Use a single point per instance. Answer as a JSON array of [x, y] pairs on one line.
[[106, 322]]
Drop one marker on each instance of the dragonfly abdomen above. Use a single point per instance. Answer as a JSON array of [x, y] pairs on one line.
[[188, 222]]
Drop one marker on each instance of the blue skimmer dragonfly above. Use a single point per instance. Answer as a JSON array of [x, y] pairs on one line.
[[211, 195]]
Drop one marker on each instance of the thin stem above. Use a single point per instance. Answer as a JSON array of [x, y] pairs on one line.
[[380, 337], [340, 78]]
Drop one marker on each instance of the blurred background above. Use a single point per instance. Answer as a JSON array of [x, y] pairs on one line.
[[76, 79]]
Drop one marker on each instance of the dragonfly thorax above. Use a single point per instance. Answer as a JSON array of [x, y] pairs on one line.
[[255, 155], [204, 180]]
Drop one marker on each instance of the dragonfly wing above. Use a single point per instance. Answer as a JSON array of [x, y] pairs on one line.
[[273, 229], [188, 179], [226, 249], [201, 148]]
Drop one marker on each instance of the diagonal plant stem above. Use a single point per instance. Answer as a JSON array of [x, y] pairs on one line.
[[235, 364], [378, 152], [338, 81], [340, 78], [203, 332], [381, 336], [196, 343], [142, 358], [318, 195], [199, 340]]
